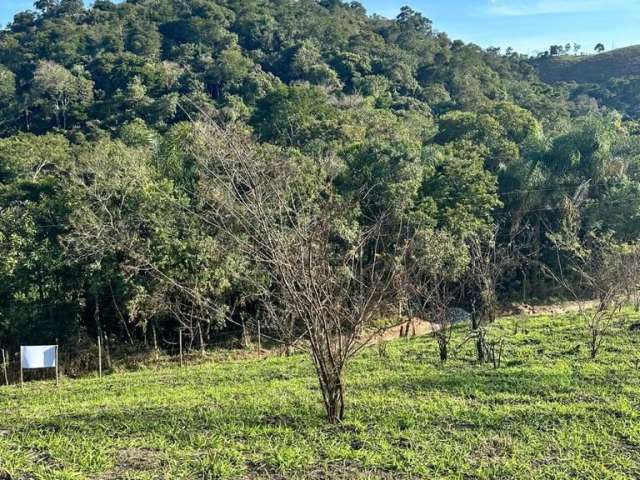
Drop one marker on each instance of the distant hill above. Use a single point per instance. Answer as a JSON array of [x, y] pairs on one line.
[[612, 78], [619, 63]]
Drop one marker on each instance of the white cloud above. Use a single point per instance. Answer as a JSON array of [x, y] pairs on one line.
[[546, 7]]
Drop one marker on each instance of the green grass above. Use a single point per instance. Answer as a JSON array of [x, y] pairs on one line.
[[549, 412]]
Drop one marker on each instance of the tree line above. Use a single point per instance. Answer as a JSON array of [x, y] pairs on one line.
[[211, 165]]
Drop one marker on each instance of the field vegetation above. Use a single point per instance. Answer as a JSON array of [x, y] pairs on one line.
[[547, 412]]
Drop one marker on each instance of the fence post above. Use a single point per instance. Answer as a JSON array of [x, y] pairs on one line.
[[4, 368], [180, 343], [57, 361], [259, 338], [99, 356]]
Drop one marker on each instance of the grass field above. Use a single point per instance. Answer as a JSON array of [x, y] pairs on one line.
[[549, 412]]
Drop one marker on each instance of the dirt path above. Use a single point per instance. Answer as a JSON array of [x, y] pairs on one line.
[[417, 327], [555, 309]]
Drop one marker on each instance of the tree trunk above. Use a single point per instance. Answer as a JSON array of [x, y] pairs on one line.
[[480, 348], [594, 344], [477, 321], [107, 351], [330, 379], [442, 345], [334, 401]]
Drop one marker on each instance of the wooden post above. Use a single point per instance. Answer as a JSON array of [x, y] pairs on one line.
[[180, 344], [107, 351], [201, 339], [4, 368], [21, 373], [259, 338], [155, 341], [99, 356], [57, 361]]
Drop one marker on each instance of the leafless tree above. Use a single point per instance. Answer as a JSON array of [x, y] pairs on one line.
[[318, 265], [593, 267], [489, 262], [432, 263], [630, 274]]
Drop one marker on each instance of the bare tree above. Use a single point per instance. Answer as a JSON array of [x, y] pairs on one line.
[[432, 263], [441, 301], [489, 262], [593, 267], [318, 264], [630, 273]]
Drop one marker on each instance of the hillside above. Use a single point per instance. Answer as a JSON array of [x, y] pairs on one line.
[[546, 413], [132, 134], [622, 62]]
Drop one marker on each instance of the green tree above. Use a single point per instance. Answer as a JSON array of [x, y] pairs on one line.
[[60, 91]]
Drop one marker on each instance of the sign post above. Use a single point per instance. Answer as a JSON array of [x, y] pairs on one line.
[[36, 357], [57, 376]]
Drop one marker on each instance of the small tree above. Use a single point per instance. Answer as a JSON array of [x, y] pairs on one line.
[[599, 48], [593, 267], [630, 273], [432, 262], [58, 90], [320, 266], [555, 50], [489, 262]]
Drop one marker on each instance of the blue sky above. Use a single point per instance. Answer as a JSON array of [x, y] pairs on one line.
[[526, 25]]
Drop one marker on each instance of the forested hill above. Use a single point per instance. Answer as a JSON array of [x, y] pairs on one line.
[[611, 78], [102, 197], [92, 71], [619, 63]]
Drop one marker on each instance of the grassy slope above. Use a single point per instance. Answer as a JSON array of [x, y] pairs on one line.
[[546, 414], [618, 63]]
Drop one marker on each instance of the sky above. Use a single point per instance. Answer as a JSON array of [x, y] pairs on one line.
[[528, 26]]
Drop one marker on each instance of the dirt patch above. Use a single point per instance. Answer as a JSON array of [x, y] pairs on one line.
[[132, 460], [555, 309], [42, 457], [413, 328], [278, 421], [417, 327], [491, 450]]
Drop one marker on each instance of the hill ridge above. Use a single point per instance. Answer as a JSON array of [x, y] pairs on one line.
[[618, 63]]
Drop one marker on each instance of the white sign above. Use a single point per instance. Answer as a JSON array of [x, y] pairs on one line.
[[38, 357]]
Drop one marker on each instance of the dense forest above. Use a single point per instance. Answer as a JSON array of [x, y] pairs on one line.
[[112, 117], [608, 79]]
